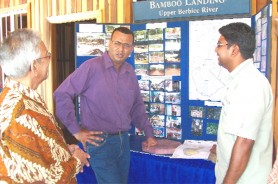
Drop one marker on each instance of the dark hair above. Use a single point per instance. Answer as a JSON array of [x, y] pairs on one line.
[[242, 35], [124, 30]]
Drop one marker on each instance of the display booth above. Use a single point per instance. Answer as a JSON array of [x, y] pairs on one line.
[[178, 73]]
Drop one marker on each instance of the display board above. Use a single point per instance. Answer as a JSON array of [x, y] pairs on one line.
[[262, 25], [178, 73]]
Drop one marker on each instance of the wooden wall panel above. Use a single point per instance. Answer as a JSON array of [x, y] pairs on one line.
[[274, 70], [114, 11]]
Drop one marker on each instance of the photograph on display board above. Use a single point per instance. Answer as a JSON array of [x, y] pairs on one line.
[[145, 95], [197, 111], [157, 70], [263, 64], [157, 84], [173, 110], [156, 47], [173, 97], [157, 96], [140, 36], [144, 85], [157, 120], [172, 56], [156, 57], [155, 34], [172, 70], [147, 106], [264, 47], [159, 131], [141, 58], [212, 128], [172, 86], [197, 127], [173, 127], [258, 54], [90, 44], [173, 45], [141, 48], [157, 108], [172, 33], [142, 69], [264, 31], [213, 113]]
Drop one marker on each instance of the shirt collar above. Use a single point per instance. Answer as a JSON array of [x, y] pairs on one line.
[[240, 67], [24, 90], [108, 63]]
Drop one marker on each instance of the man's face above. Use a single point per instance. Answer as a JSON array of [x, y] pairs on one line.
[[223, 52], [43, 62], [120, 47]]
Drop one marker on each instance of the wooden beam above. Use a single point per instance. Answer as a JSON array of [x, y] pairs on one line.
[[102, 4], [54, 11], [113, 14], [68, 6], [78, 6], [120, 11], [128, 18], [62, 7], [90, 5], [84, 7], [29, 15], [274, 68]]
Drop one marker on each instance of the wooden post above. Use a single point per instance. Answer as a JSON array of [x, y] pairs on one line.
[[274, 68]]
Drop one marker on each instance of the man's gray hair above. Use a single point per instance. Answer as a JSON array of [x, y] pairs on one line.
[[18, 51]]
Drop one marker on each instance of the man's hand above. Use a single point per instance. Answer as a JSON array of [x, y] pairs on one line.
[[213, 149], [150, 142], [80, 154], [88, 136]]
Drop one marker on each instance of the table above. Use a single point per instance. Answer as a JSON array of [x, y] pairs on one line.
[[148, 168]]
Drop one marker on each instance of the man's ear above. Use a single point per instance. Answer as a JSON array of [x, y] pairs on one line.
[[34, 67], [236, 50]]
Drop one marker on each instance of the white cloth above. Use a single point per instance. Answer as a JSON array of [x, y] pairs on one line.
[[247, 113]]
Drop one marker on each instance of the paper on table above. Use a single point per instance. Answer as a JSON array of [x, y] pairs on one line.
[[163, 147], [193, 149]]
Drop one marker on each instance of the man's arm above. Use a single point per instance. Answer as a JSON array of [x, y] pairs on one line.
[[239, 159]]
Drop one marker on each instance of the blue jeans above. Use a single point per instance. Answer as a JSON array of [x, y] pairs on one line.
[[111, 159]]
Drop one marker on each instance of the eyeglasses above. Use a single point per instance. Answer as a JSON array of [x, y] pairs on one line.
[[48, 56], [119, 44], [221, 44]]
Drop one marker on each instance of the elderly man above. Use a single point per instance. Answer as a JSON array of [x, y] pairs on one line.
[[32, 148]]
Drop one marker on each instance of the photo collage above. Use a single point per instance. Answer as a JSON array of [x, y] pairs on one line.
[[156, 61], [204, 120]]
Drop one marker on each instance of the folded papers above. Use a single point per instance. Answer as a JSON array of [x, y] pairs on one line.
[[194, 149]]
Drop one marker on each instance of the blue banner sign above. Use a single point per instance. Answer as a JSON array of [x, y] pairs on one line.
[[164, 9]]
